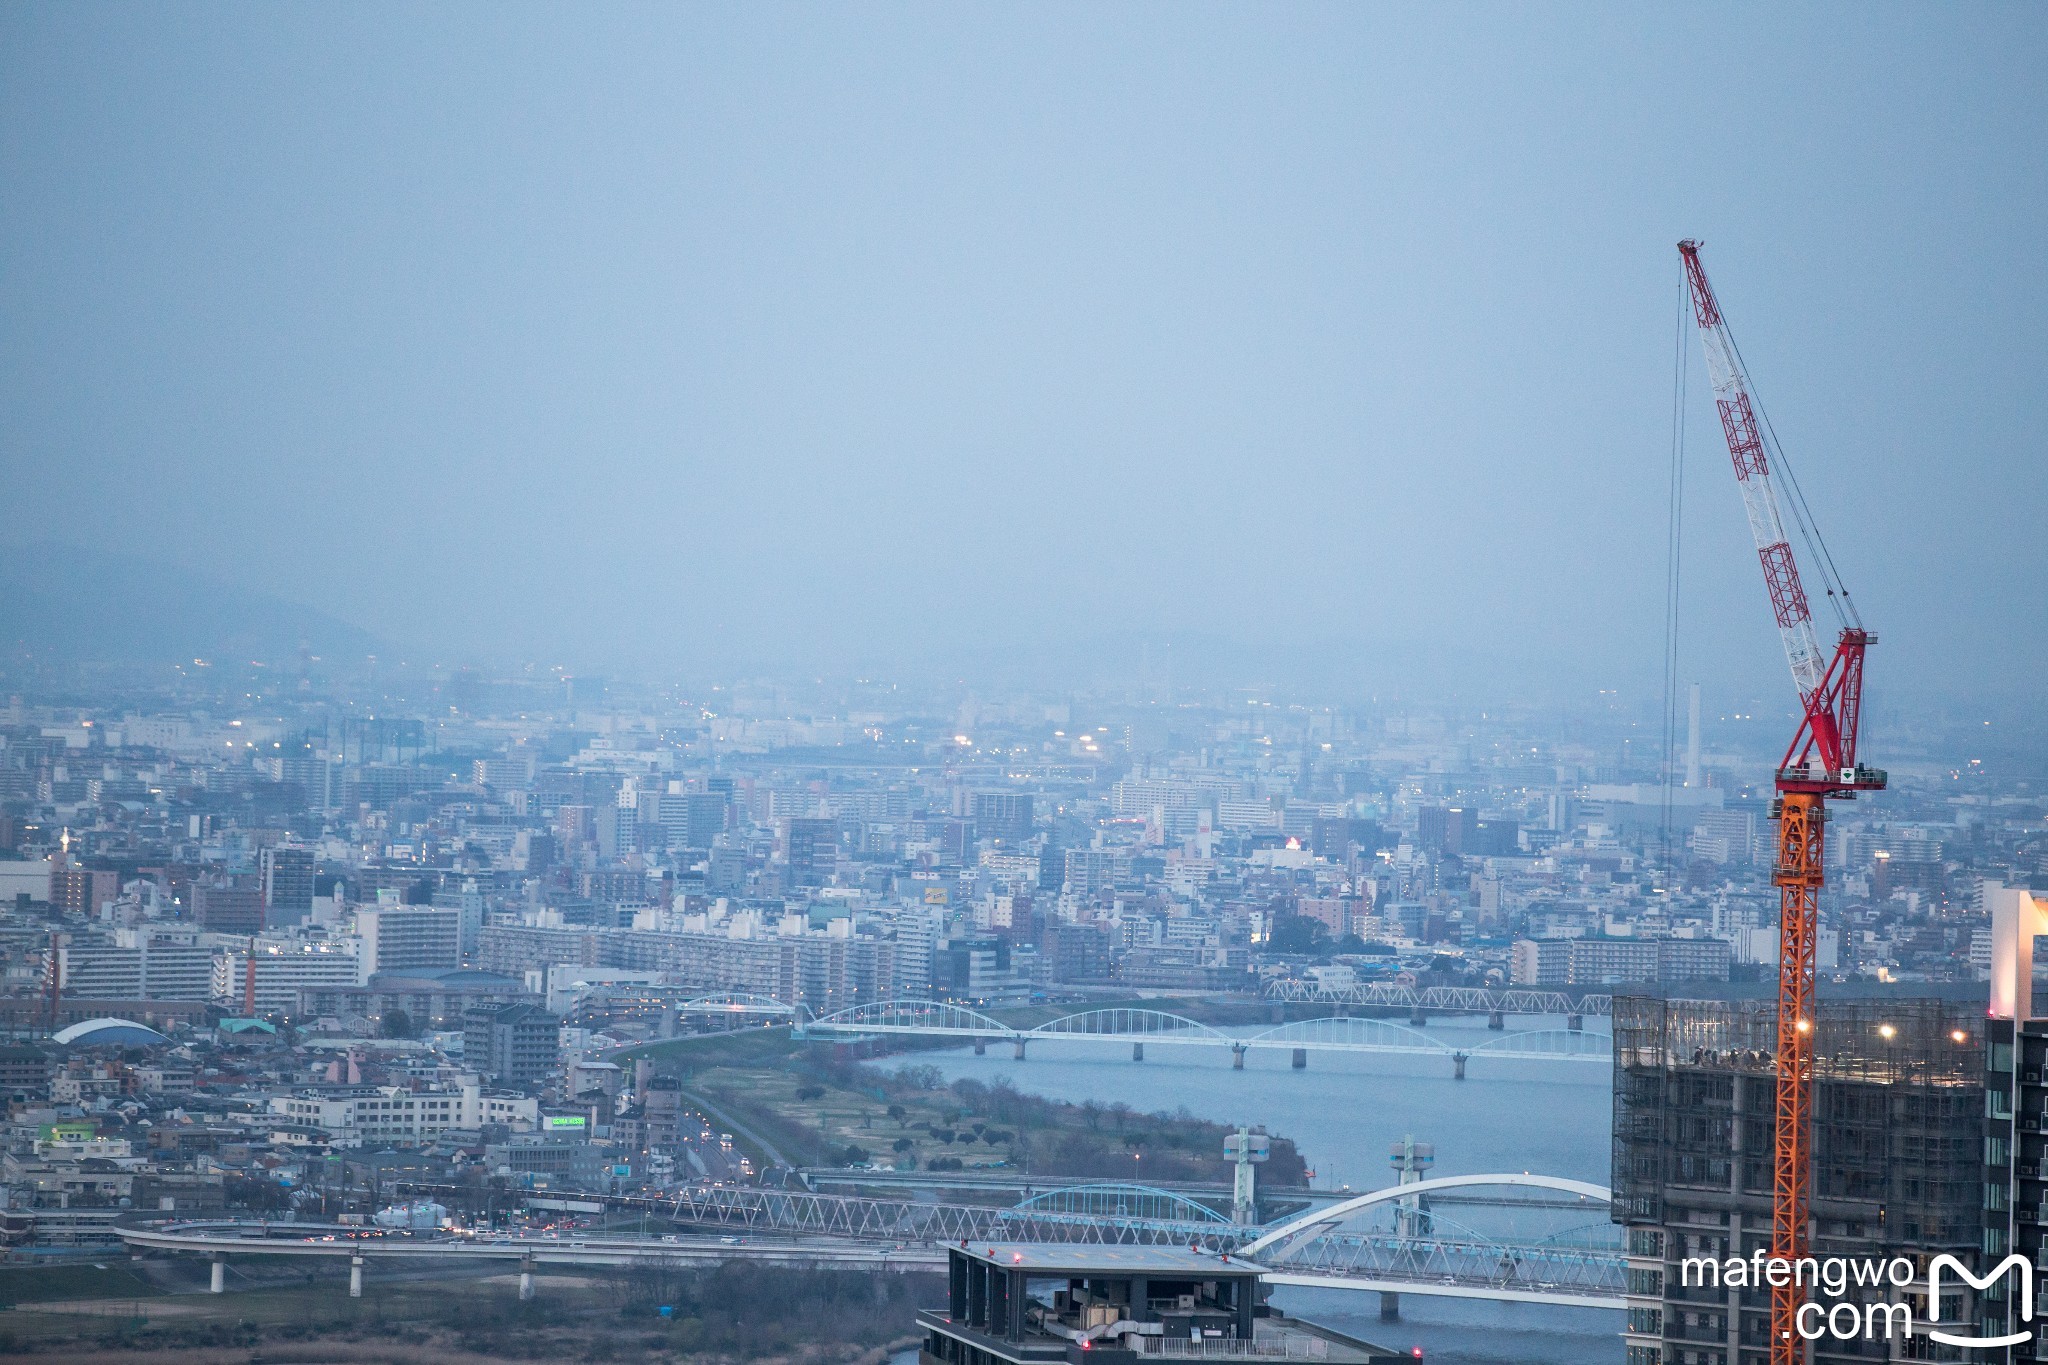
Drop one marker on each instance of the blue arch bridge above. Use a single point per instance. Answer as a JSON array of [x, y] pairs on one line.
[[1139, 1028]]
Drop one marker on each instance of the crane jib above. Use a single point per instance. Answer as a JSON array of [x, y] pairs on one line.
[[1820, 763]]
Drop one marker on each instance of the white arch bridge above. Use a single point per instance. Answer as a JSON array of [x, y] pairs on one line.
[[1520, 1238], [1141, 1028]]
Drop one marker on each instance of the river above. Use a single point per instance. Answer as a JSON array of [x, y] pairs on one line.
[[1551, 1118]]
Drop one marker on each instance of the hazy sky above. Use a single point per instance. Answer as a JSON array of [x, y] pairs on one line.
[[845, 333]]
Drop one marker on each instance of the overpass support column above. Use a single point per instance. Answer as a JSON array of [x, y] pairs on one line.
[[1020, 1049], [1496, 1020], [219, 1283], [1301, 1059], [1390, 1306], [1237, 1051], [1575, 1022], [981, 1047], [526, 1278], [1137, 1052], [1458, 1060], [355, 1277], [1417, 1017]]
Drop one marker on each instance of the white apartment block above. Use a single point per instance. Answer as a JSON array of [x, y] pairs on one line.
[[282, 970], [390, 1114]]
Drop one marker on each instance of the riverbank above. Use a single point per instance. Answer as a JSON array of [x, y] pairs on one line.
[[833, 1104], [732, 1314]]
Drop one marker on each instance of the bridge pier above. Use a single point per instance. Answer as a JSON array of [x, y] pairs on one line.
[[1020, 1049], [1497, 1021], [1417, 1017], [981, 1047], [1137, 1052], [1575, 1022], [355, 1277], [1301, 1059], [219, 1282], [526, 1279], [1237, 1051], [1458, 1060], [1390, 1306]]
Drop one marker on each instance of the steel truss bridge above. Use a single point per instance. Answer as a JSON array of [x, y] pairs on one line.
[[1453, 999], [1519, 1238], [1523, 1238], [1141, 1028], [1108, 1214]]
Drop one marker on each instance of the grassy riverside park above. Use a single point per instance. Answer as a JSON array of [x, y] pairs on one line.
[[278, 1313], [824, 1103]]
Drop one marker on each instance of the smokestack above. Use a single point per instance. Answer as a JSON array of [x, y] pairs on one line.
[[1692, 739]]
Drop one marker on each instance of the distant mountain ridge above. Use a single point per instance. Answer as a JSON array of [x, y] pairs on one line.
[[64, 603]]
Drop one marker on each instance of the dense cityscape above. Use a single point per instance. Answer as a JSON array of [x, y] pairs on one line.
[[907, 684], [295, 949]]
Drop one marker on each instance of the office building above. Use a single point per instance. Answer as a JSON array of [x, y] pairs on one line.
[[2016, 1107], [1018, 1303], [511, 1044], [283, 969], [813, 849], [228, 905], [287, 875], [1003, 816], [402, 937], [1610, 961], [147, 962], [81, 891]]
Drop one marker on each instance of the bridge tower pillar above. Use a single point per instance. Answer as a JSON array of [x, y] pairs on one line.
[[526, 1278], [1576, 1022], [1417, 1017], [219, 1282], [1301, 1059], [1390, 1306], [1020, 1049], [981, 1047], [1137, 1052], [1458, 1060], [1497, 1020], [1237, 1051], [355, 1277]]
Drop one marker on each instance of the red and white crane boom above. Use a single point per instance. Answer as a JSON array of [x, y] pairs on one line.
[[1819, 763]]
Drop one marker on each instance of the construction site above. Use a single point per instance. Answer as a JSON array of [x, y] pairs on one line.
[[1897, 1104]]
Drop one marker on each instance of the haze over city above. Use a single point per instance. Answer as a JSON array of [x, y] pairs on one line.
[[1322, 345], [912, 684]]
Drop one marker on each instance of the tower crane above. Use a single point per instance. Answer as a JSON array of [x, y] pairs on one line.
[[1819, 764]]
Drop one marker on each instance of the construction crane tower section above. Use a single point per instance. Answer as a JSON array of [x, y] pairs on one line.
[[1819, 763]]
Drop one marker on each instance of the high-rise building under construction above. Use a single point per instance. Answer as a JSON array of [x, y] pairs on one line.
[[1897, 1150]]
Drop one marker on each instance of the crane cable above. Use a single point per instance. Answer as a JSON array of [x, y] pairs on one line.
[[1809, 529], [1674, 526]]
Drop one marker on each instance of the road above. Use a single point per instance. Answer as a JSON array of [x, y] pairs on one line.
[[769, 1152], [223, 1238]]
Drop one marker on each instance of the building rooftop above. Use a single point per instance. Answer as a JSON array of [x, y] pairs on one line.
[[1059, 1258]]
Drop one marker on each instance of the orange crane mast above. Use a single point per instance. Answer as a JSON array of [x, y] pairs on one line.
[[1819, 764]]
